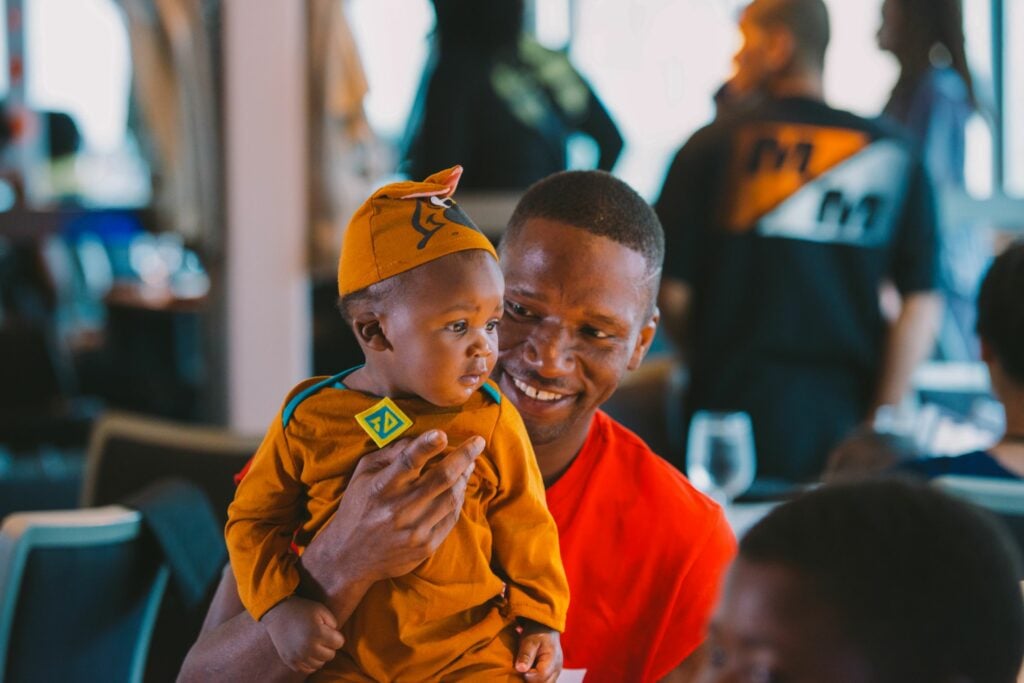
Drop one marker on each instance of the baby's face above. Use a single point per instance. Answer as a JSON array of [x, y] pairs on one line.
[[443, 327]]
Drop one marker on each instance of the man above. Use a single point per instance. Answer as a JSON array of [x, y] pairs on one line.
[[870, 583], [643, 550], [783, 220]]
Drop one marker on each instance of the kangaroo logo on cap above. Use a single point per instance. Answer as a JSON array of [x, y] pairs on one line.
[[384, 422], [446, 209]]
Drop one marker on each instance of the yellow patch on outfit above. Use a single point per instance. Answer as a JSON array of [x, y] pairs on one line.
[[384, 422], [772, 161]]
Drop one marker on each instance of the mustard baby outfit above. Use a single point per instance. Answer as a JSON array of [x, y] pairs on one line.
[[453, 617]]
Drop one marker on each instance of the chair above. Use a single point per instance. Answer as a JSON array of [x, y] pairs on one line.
[[127, 452], [79, 593], [1002, 497]]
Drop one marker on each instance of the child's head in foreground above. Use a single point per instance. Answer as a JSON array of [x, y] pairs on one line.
[[878, 582], [421, 289]]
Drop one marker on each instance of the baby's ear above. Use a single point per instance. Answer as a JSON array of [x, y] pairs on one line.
[[370, 333]]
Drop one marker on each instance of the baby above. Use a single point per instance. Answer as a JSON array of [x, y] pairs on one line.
[[421, 289]]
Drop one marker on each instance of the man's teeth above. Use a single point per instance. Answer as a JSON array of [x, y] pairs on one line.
[[536, 394]]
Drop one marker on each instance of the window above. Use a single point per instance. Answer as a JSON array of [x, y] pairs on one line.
[[78, 62], [1013, 80]]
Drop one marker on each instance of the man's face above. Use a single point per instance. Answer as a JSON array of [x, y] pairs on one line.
[[889, 29], [443, 328], [770, 627], [750, 67], [576, 319]]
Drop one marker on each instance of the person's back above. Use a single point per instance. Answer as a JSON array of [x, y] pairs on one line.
[[933, 100], [500, 104], [1000, 315], [784, 219], [421, 288]]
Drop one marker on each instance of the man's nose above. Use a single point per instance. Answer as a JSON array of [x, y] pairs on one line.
[[549, 349]]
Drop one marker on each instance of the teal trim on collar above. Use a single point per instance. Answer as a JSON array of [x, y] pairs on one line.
[[491, 391], [293, 404], [338, 384]]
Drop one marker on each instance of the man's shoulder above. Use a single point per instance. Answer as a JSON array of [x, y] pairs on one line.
[[651, 484]]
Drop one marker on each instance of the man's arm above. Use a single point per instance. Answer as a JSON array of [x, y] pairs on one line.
[[911, 339], [675, 301], [393, 516]]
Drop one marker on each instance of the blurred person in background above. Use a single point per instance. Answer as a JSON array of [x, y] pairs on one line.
[[500, 104], [1000, 317], [782, 221], [878, 582], [933, 99]]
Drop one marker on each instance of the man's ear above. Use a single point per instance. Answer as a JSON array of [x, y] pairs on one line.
[[644, 339], [370, 332], [781, 50]]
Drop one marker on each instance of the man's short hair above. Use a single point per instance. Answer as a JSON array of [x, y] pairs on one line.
[[926, 585], [1001, 310], [599, 203], [806, 20]]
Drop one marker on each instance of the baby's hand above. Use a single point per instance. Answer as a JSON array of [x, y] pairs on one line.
[[304, 632], [540, 653]]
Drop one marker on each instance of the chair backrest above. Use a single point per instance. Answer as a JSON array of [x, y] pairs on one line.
[[79, 593], [128, 452]]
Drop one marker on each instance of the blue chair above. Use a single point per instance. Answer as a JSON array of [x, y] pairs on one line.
[[79, 594]]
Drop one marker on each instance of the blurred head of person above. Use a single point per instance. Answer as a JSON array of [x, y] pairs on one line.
[[1001, 322], [478, 27], [781, 40], [881, 582], [923, 34]]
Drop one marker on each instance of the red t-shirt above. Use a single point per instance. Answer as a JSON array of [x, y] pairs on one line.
[[644, 553]]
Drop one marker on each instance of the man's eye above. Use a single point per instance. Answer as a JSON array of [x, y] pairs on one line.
[[516, 309], [458, 326]]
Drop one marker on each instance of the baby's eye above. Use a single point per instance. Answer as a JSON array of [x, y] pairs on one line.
[[595, 333], [459, 326], [493, 325]]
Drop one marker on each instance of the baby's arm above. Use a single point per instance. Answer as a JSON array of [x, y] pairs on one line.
[[266, 511], [304, 632], [525, 543]]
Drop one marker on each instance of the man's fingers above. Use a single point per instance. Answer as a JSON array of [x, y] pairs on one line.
[[418, 452], [443, 511], [443, 476], [527, 654]]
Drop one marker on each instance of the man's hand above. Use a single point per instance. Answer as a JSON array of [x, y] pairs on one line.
[[540, 653], [394, 514], [304, 632]]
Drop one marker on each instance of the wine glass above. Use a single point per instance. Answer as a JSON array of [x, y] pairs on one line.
[[720, 454]]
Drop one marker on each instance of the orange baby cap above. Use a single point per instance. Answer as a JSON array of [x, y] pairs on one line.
[[404, 225]]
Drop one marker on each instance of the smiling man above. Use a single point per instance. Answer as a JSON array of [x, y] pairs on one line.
[[644, 552], [642, 549]]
